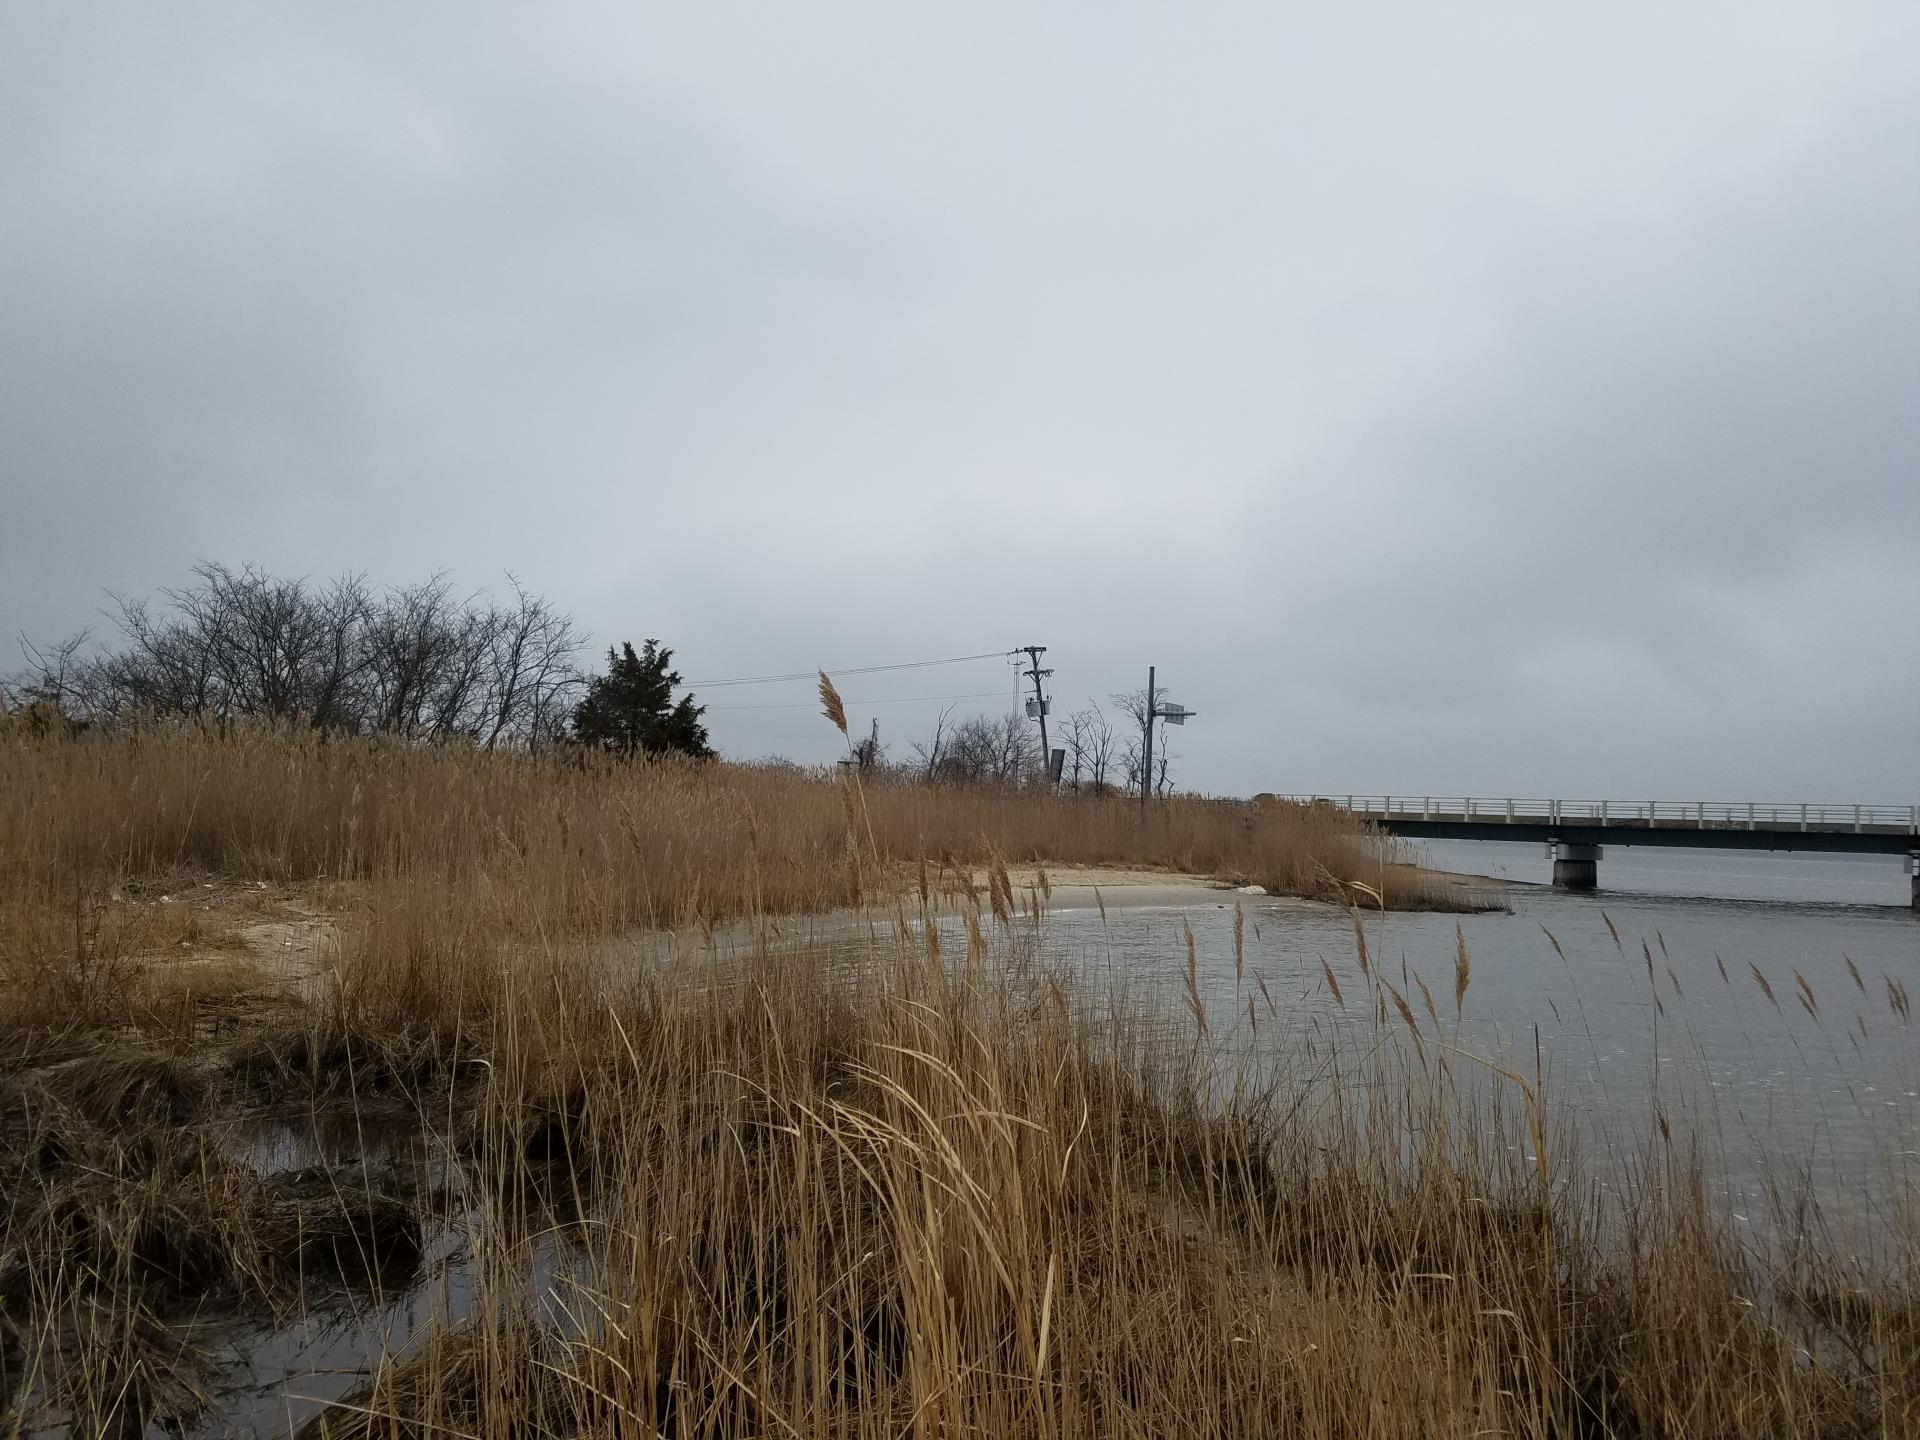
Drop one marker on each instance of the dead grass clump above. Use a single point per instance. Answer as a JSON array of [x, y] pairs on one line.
[[321, 1060], [157, 1236], [1421, 1228], [1868, 1314], [122, 1371], [37, 1135], [167, 1218], [204, 1000], [1680, 1339], [129, 1089], [335, 1230]]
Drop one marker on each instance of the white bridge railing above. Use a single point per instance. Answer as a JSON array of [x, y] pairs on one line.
[[1661, 814]]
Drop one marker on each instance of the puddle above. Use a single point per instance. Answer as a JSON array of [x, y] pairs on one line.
[[382, 1151], [276, 1379], [376, 1226]]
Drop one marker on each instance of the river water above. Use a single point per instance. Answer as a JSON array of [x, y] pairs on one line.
[[1758, 1003]]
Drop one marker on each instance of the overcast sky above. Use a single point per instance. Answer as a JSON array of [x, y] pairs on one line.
[[1494, 399]]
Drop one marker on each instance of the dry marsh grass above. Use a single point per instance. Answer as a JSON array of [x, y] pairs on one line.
[[84, 816], [909, 1182]]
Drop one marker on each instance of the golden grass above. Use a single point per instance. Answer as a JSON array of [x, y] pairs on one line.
[[904, 1182], [108, 839]]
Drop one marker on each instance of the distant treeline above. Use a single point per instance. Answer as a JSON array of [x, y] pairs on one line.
[[415, 660], [426, 663]]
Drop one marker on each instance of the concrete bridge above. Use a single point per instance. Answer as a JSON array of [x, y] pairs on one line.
[[1578, 829]]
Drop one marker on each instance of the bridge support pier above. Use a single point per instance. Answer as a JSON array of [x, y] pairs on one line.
[[1913, 865], [1575, 867]]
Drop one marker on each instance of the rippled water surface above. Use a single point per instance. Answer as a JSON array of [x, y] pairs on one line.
[[1765, 1024]]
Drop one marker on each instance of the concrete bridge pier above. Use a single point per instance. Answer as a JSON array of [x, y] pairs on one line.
[[1913, 868], [1575, 866]]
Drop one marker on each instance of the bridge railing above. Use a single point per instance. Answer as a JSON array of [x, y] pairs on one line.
[[1674, 814]]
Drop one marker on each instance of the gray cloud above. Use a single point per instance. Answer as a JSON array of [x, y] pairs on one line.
[[1505, 401]]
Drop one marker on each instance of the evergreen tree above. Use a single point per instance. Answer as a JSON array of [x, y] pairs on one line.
[[630, 709]]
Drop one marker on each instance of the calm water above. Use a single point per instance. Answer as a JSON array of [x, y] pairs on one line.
[[1813, 1088], [1712, 874]]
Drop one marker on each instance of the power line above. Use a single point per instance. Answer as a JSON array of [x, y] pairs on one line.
[[842, 670], [894, 700]]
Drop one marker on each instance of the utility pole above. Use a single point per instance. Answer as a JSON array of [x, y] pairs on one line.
[[1175, 714], [1033, 653], [1146, 747]]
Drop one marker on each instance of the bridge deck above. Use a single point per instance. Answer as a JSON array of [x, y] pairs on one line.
[[1888, 829]]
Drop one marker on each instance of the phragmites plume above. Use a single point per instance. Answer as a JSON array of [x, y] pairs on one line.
[[1194, 1003], [830, 703], [1426, 998], [1406, 1014], [1462, 969], [1808, 1000], [1000, 888]]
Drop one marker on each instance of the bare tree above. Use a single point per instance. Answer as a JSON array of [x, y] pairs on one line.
[[982, 750], [239, 642], [931, 753], [408, 645], [533, 669], [1100, 745], [233, 642], [1089, 741], [1133, 705], [333, 695], [1017, 753], [173, 666], [1132, 762], [868, 753], [262, 636], [1075, 732], [61, 676]]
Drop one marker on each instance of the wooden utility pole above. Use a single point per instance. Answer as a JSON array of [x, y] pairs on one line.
[[1034, 652]]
